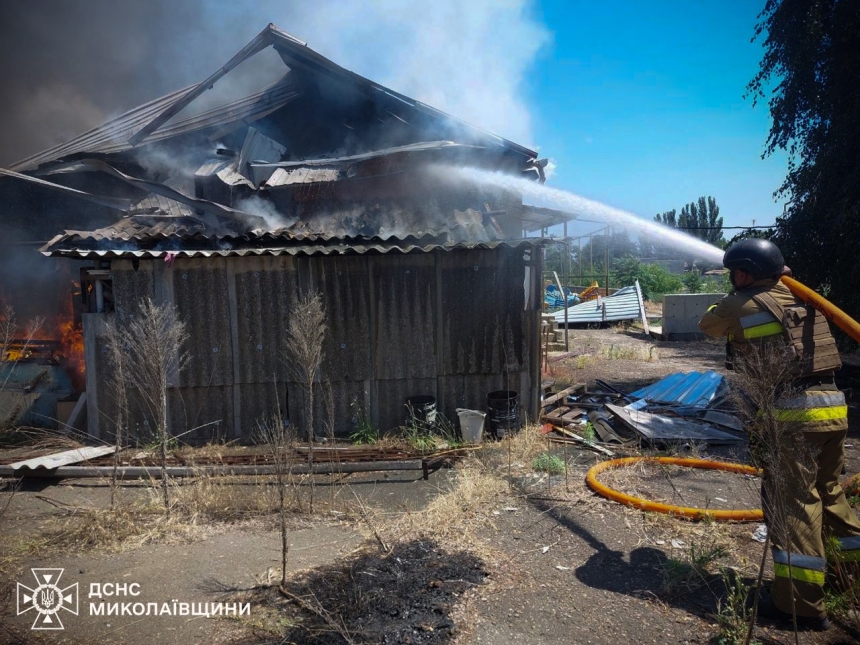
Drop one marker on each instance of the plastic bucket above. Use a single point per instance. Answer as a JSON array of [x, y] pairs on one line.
[[503, 411], [421, 410], [471, 424]]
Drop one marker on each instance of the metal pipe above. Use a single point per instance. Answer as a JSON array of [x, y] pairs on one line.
[[154, 472]]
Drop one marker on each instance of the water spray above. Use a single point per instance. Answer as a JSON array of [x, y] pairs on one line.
[[582, 207]]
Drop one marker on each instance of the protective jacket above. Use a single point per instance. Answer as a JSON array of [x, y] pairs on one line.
[[766, 311]]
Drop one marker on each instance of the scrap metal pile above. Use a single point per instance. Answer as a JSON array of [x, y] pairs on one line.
[[682, 408]]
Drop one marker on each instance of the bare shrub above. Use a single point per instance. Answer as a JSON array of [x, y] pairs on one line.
[[153, 342], [8, 329], [279, 438], [118, 359], [303, 355]]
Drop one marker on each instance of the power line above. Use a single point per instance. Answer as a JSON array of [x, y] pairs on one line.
[[716, 228]]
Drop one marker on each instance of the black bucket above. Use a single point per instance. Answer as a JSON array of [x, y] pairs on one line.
[[421, 411], [503, 412]]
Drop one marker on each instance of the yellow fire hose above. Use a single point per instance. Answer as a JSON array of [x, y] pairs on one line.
[[833, 313], [745, 515]]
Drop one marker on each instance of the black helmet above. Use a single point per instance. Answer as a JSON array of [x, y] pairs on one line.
[[760, 258]]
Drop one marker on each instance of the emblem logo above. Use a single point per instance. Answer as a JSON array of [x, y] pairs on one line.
[[48, 599]]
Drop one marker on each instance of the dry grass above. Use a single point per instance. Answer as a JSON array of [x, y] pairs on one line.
[[453, 518]]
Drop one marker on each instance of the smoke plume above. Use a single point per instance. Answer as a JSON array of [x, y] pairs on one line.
[[68, 66]]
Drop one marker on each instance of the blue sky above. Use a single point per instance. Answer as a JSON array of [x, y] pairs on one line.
[[640, 104]]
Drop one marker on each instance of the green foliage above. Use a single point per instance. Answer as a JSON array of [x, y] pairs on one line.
[[693, 282], [654, 280], [363, 432], [699, 219], [427, 438], [588, 432], [733, 613], [547, 463], [808, 79]]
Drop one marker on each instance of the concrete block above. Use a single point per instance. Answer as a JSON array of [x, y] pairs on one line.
[[682, 312]]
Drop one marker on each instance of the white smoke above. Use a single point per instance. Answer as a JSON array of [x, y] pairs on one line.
[[275, 220], [470, 59]]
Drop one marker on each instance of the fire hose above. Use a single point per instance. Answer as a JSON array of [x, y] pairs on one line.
[[744, 515], [833, 313]]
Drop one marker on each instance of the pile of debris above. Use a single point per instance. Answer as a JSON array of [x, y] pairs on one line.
[[682, 408]]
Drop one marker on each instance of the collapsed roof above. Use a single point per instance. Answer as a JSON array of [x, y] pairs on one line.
[[320, 153]]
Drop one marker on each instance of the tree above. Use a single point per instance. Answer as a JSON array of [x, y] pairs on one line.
[[700, 219], [809, 76]]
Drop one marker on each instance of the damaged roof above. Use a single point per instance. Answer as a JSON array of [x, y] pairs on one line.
[[308, 74]]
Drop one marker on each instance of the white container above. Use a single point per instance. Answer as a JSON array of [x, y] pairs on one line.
[[471, 424]]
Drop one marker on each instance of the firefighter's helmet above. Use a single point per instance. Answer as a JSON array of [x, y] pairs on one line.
[[760, 258]]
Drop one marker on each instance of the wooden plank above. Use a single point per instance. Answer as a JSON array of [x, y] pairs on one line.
[[574, 389], [572, 414], [584, 441], [555, 414]]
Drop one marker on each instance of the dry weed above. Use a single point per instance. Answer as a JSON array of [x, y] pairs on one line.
[[456, 516], [225, 499], [120, 529]]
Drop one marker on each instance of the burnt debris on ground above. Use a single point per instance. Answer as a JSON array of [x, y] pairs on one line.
[[681, 408]]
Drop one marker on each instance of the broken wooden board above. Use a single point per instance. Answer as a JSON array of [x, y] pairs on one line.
[[667, 429], [563, 414], [560, 396], [565, 430]]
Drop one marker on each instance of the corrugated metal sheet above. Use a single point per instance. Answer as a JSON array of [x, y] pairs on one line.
[[482, 299], [344, 285], [698, 389], [624, 304], [404, 295], [60, 248], [383, 344], [201, 295], [258, 148], [284, 177], [663, 429], [263, 288], [376, 163], [159, 205], [65, 458], [147, 123], [113, 135]]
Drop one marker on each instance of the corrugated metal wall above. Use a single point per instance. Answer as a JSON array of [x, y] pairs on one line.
[[450, 324]]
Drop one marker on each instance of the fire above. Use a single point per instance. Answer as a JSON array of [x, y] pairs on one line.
[[54, 337]]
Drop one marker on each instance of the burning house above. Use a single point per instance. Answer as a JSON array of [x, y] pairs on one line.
[[321, 180]]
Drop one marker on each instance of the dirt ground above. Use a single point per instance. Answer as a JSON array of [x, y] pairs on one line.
[[491, 551]]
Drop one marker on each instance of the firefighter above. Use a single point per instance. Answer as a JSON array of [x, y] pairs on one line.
[[761, 309]]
